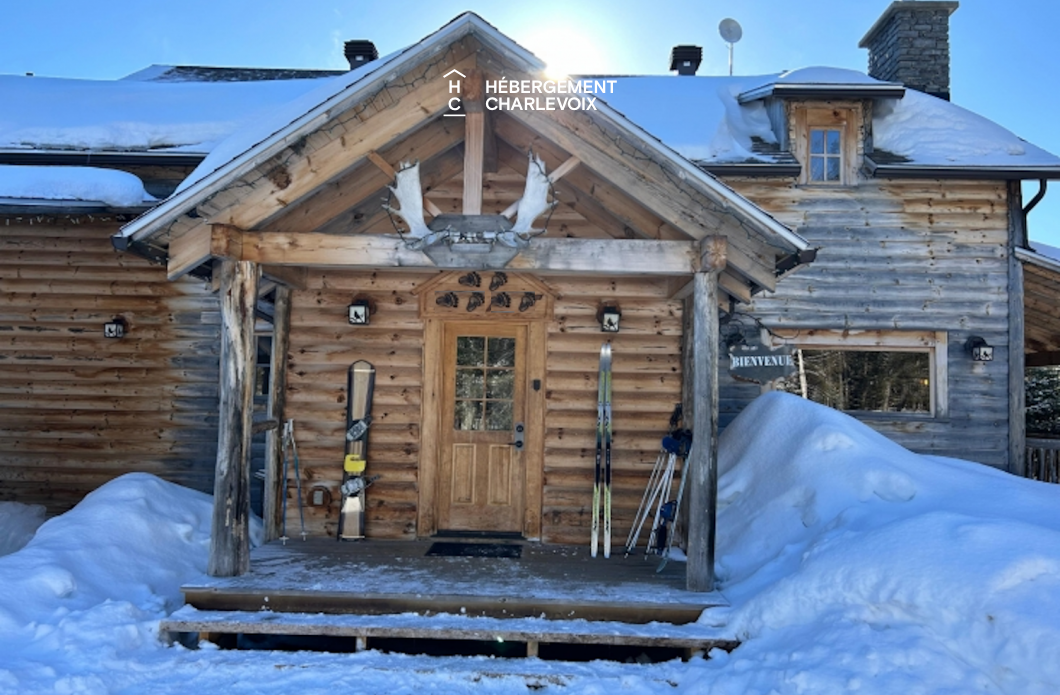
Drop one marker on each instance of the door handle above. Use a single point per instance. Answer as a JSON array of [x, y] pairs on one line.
[[520, 432]]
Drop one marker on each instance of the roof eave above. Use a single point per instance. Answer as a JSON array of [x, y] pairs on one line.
[[930, 171], [86, 158], [751, 169], [1035, 258], [885, 90], [45, 206]]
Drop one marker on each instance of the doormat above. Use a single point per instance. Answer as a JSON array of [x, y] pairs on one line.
[[446, 549]]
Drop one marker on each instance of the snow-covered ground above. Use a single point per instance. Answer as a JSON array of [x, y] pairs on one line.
[[852, 565]]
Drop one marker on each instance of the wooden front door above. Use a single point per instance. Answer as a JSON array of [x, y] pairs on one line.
[[481, 482]]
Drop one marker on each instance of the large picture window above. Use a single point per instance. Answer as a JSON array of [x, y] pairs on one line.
[[871, 371]]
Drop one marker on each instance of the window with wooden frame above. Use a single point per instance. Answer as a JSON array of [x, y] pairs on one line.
[[897, 373], [826, 142]]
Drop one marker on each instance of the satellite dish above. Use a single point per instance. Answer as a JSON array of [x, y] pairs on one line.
[[730, 30]]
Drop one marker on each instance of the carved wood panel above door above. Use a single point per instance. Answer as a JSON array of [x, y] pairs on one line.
[[487, 295]]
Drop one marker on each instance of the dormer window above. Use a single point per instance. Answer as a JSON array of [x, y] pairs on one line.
[[826, 155], [826, 143]]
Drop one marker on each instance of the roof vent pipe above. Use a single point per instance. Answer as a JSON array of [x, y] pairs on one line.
[[686, 59], [359, 51]]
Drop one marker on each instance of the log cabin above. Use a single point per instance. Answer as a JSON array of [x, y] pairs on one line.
[[814, 213]]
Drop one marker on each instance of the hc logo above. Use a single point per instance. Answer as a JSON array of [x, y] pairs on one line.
[[454, 88]]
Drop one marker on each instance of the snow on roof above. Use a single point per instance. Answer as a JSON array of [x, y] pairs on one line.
[[929, 131], [32, 184], [45, 113], [698, 117], [702, 119]]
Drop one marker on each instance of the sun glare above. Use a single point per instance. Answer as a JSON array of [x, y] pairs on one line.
[[567, 51]]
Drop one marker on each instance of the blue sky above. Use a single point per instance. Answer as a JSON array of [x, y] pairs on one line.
[[1004, 60]]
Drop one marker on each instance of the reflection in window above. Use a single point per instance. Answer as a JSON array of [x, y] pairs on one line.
[[863, 380], [826, 155], [485, 383]]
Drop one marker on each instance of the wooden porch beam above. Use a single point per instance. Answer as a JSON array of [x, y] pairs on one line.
[[272, 506], [474, 137], [702, 463], [609, 256], [230, 531]]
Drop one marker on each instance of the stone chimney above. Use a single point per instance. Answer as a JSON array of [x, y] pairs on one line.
[[910, 43], [686, 59], [359, 52]]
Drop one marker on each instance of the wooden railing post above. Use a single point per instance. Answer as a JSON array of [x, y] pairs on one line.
[[230, 533], [703, 460]]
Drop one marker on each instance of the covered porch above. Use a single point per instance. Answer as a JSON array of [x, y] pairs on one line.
[[297, 221]]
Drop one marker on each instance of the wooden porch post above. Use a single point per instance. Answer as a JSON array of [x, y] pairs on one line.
[[703, 460], [281, 341], [1017, 365], [229, 534]]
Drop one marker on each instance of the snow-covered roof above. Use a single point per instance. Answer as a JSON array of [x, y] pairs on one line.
[[1041, 255], [704, 120], [41, 114], [46, 185]]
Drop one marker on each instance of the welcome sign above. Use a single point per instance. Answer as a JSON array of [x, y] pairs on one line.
[[759, 363]]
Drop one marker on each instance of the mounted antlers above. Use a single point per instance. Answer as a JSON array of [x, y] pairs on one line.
[[410, 196]]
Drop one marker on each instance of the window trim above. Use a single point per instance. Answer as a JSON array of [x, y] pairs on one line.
[[935, 343]]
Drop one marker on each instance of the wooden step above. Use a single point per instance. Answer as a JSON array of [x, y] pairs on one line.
[[533, 632]]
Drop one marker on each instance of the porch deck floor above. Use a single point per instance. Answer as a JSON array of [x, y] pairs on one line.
[[376, 577]]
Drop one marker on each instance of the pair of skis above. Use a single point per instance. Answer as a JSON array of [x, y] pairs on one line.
[[603, 455]]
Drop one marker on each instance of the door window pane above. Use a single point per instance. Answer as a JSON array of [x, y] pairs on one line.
[[470, 351], [500, 383], [469, 383], [498, 415], [468, 415], [501, 352]]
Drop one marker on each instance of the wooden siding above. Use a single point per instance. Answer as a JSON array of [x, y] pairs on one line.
[[646, 366], [896, 255], [647, 375], [77, 409], [322, 347]]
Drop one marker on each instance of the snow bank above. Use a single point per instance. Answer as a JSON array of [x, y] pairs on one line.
[[18, 523], [134, 540], [108, 186], [855, 564]]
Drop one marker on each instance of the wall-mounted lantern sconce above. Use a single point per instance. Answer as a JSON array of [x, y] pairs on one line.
[[979, 350], [360, 312], [115, 328], [609, 316]]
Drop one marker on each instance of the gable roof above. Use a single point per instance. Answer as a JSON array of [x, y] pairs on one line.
[[250, 148]]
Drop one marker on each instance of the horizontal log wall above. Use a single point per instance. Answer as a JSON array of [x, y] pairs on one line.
[[647, 377], [896, 255], [646, 364], [78, 409], [323, 345]]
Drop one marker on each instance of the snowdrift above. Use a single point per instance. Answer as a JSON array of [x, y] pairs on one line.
[[847, 557]]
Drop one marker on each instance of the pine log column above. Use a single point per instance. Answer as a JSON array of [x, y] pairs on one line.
[[702, 463], [229, 534]]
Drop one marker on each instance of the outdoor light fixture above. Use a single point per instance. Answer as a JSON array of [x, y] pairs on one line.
[[978, 348], [359, 312], [114, 329], [609, 316]]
